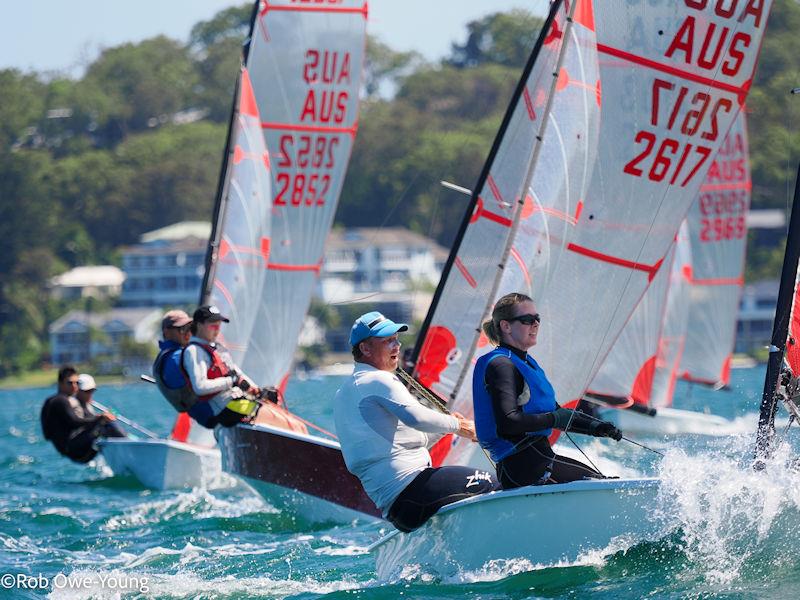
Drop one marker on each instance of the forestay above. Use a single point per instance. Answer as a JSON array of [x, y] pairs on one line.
[[672, 77], [718, 229], [306, 61]]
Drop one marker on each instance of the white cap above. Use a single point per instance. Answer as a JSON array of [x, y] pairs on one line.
[[86, 382]]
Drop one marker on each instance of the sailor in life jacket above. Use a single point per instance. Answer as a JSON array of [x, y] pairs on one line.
[[515, 405], [167, 370], [217, 383]]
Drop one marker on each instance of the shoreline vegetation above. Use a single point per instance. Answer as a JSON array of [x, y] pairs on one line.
[[127, 148], [331, 364]]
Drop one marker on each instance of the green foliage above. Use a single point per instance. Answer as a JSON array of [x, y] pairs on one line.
[[384, 65], [774, 114], [217, 44], [21, 103], [499, 38], [142, 85]]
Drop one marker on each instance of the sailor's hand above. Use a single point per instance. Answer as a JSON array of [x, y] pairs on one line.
[[271, 394], [245, 386], [108, 416], [605, 429], [562, 417], [466, 427], [253, 389]]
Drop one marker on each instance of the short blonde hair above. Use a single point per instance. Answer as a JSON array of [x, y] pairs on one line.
[[503, 311]]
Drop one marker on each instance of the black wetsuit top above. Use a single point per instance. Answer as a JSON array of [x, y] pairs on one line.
[[534, 461], [73, 431]]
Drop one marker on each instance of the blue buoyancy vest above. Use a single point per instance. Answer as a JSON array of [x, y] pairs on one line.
[[542, 400], [173, 385]]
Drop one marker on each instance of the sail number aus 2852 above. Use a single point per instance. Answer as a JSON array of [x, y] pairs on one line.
[[302, 152]]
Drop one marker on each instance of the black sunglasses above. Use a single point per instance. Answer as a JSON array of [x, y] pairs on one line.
[[182, 328], [526, 319]]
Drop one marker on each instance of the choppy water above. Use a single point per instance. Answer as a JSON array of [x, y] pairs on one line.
[[729, 532]]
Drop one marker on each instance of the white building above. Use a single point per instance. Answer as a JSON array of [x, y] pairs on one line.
[[167, 267], [80, 337], [100, 281], [365, 260]]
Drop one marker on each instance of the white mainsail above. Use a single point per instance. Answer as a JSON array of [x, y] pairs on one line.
[[306, 61], [672, 77], [718, 230]]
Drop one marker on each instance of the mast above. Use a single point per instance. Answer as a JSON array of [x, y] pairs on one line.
[[487, 166], [780, 331], [219, 201]]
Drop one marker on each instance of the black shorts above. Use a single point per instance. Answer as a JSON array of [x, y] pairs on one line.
[[434, 488], [536, 463]]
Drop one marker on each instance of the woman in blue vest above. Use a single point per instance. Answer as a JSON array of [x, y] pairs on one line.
[[515, 405]]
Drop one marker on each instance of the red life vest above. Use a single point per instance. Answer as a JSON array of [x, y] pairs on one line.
[[217, 369]]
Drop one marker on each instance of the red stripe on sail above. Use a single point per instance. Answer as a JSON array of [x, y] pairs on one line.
[[717, 187], [224, 291], [285, 267], [651, 270], [526, 96], [470, 279], [495, 190], [718, 281], [482, 212], [740, 92], [364, 10], [351, 131], [265, 247]]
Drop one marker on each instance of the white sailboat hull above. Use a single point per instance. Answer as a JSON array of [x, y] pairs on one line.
[[540, 524], [668, 421], [162, 464]]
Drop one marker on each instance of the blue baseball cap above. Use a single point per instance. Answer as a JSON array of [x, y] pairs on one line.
[[374, 324]]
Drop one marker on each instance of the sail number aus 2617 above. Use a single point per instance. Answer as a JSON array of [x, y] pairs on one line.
[[671, 159], [686, 114]]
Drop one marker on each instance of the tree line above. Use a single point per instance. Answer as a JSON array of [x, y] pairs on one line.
[[89, 164]]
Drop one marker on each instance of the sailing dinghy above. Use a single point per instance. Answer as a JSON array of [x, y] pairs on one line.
[[237, 271], [309, 57], [618, 116]]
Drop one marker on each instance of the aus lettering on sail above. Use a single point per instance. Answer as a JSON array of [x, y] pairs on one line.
[[309, 157], [701, 68], [725, 195]]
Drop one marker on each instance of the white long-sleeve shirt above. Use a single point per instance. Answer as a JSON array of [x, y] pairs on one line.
[[382, 431], [196, 362]]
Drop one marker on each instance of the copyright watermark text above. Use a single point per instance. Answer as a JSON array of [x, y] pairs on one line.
[[21, 581]]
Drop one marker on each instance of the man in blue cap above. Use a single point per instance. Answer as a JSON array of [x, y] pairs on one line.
[[383, 431]]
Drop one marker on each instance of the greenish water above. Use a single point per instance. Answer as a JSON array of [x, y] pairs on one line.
[[738, 533]]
